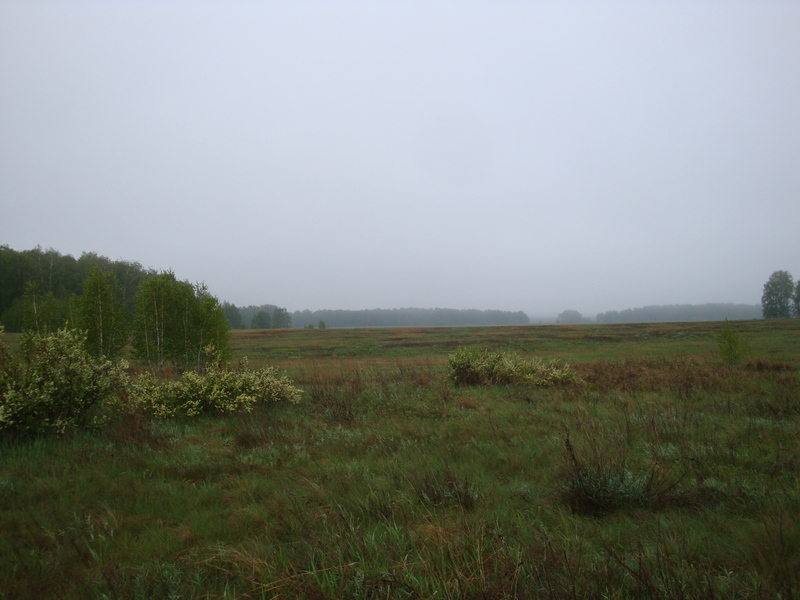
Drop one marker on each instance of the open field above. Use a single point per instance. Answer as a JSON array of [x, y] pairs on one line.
[[661, 472], [770, 339]]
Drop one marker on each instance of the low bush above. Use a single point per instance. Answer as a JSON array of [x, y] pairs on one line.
[[56, 385], [218, 390], [471, 366], [604, 483], [733, 347]]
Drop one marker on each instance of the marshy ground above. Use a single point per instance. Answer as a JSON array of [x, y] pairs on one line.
[[659, 472]]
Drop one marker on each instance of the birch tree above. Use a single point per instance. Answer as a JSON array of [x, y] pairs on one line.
[[102, 314], [178, 323]]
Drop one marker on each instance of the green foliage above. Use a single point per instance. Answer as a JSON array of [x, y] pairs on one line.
[[471, 366], [294, 502], [57, 386], [155, 332], [58, 275], [218, 390], [681, 313], [233, 315], [445, 488], [570, 317], [9, 366], [210, 330], [261, 320], [281, 319], [796, 300], [733, 347], [604, 482], [129, 275], [602, 488], [248, 312], [177, 322], [102, 314], [776, 301], [43, 313], [409, 317]]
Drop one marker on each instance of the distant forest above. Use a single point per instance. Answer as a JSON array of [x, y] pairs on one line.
[[269, 316], [408, 317], [59, 279], [682, 312]]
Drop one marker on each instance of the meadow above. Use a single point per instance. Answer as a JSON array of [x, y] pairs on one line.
[[660, 471]]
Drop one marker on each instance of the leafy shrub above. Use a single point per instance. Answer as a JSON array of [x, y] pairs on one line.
[[9, 367], [733, 348], [218, 390], [56, 386], [471, 366]]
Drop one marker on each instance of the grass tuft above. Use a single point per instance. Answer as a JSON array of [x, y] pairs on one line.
[[606, 483], [445, 488]]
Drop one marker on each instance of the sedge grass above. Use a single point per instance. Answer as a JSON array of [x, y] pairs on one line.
[[387, 481]]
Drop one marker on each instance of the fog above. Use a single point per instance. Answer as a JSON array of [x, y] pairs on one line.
[[534, 156]]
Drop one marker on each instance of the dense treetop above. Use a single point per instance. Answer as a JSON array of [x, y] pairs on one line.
[[58, 276], [781, 297]]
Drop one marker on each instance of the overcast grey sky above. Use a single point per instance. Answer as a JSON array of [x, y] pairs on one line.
[[534, 156]]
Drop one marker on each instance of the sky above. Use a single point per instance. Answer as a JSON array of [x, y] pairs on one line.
[[536, 156]]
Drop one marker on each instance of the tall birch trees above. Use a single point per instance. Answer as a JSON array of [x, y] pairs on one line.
[[102, 314], [178, 324]]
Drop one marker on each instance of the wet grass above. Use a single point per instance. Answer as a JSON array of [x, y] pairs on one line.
[[665, 474], [772, 339]]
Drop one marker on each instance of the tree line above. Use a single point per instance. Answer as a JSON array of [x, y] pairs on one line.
[[265, 316], [42, 290], [269, 316], [780, 299], [116, 304], [57, 278], [681, 312], [409, 317]]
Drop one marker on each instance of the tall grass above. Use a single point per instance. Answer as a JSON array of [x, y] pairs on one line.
[[665, 473]]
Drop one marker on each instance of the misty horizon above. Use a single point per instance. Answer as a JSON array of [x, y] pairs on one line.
[[509, 156], [294, 310]]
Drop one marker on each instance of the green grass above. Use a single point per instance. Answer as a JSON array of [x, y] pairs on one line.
[[665, 474], [773, 339]]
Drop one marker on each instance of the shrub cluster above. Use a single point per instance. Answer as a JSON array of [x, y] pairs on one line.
[[471, 366], [56, 385], [218, 390]]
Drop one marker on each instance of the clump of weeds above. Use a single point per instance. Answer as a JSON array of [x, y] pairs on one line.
[[606, 482], [445, 488]]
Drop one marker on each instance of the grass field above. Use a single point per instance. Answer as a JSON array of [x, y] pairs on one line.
[[660, 472]]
